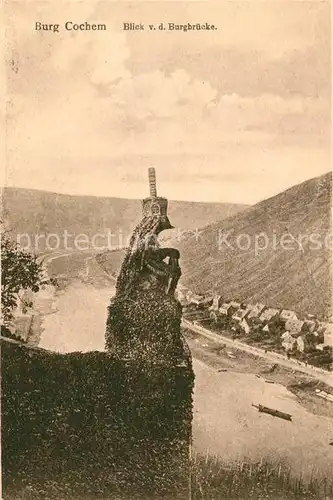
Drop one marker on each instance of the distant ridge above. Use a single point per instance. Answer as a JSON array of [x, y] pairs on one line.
[[29, 211], [298, 276]]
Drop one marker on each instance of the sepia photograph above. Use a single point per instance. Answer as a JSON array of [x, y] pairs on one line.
[[166, 250]]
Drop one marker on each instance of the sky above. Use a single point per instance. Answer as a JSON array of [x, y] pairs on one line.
[[232, 115]]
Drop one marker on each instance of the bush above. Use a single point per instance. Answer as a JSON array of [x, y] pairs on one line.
[[215, 478], [91, 423], [19, 270]]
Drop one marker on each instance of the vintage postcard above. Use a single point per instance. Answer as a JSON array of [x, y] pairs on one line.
[[166, 250]]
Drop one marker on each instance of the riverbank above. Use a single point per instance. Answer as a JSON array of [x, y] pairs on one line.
[[237, 361], [224, 338], [227, 425]]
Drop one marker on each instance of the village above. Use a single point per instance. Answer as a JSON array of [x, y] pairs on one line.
[[306, 339]]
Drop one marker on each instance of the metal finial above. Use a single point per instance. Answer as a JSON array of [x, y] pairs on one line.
[[152, 182]]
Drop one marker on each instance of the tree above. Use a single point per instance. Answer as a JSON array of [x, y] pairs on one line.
[[20, 270]]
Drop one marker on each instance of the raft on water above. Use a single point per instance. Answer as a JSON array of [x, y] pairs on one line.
[[274, 413]]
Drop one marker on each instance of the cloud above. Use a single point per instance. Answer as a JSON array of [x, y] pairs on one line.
[[281, 49], [156, 95], [95, 54], [105, 103], [274, 115]]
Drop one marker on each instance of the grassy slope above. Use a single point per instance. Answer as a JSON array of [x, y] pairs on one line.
[[296, 279], [215, 478]]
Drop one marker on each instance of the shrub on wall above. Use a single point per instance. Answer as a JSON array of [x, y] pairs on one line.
[[93, 424]]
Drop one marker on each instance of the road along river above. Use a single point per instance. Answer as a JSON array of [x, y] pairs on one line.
[[273, 357], [225, 423]]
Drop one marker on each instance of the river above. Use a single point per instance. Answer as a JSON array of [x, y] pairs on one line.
[[225, 423]]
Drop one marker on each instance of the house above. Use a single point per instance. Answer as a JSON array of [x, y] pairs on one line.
[[256, 311], [181, 287], [195, 299], [236, 304], [288, 341], [206, 302], [241, 314], [182, 290], [300, 343], [267, 328], [245, 326], [268, 315], [227, 309], [326, 331], [296, 326], [249, 307], [217, 303], [287, 314]]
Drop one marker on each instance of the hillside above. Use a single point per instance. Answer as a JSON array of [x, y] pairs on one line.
[[286, 273], [34, 212]]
